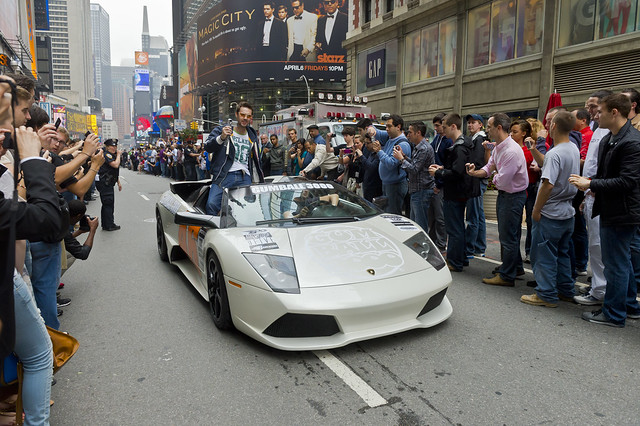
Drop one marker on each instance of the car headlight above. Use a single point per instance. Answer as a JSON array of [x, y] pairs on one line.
[[422, 245], [279, 272]]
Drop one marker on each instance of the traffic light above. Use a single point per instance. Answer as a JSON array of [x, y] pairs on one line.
[[194, 125]]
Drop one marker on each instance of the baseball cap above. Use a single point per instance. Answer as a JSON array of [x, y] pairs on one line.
[[111, 142], [476, 117], [313, 126]]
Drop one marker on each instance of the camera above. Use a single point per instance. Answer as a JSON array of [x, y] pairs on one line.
[[347, 151], [84, 222], [8, 141]]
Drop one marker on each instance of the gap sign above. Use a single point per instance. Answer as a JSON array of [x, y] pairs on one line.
[[376, 68]]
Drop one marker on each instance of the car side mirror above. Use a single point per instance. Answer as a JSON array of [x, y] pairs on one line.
[[196, 219]]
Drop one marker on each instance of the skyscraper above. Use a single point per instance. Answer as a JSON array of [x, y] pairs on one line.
[[72, 52], [101, 54]]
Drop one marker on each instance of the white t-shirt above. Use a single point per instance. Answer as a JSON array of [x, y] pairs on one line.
[[242, 148]]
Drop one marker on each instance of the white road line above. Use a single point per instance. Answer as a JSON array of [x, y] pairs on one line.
[[144, 197], [359, 386], [497, 262]]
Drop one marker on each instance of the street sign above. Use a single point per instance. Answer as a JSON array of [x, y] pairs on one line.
[[179, 125]]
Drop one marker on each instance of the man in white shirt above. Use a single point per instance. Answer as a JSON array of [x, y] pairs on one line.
[[302, 32]]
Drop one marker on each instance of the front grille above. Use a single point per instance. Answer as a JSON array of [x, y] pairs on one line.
[[433, 302], [302, 325]]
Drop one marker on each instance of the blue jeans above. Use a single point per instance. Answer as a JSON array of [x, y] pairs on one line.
[[476, 232], [509, 209], [395, 193], [420, 208], [454, 223], [33, 347], [232, 180], [550, 258], [45, 278], [620, 255]]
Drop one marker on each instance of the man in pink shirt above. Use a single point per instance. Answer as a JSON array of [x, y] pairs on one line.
[[509, 169]]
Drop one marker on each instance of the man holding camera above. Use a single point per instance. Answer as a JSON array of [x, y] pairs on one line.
[[108, 176]]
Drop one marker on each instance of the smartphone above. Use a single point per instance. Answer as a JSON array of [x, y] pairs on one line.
[[87, 134], [348, 151], [84, 222], [527, 143], [58, 121], [8, 141]]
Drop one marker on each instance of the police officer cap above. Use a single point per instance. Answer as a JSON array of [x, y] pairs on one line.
[[313, 126], [111, 142], [476, 117]]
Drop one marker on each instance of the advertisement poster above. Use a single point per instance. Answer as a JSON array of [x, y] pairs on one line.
[[429, 52], [412, 57], [142, 58], [447, 50], [530, 27], [142, 80], [46, 106], [9, 19], [246, 39], [187, 70], [503, 30], [479, 35], [616, 17]]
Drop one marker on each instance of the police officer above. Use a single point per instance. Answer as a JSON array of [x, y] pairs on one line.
[[108, 176]]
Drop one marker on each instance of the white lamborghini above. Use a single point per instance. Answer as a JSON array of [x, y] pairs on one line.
[[303, 265]]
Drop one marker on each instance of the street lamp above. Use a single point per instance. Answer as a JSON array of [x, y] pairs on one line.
[[303, 77]]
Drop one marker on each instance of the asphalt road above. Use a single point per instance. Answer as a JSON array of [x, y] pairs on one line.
[[150, 354]]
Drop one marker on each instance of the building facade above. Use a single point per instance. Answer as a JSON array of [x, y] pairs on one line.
[[72, 50], [421, 57], [122, 98], [101, 40]]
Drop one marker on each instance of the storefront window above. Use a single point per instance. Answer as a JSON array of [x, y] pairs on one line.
[[412, 57], [387, 54], [503, 30], [530, 27], [479, 36], [447, 47], [429, 52], [616, 17], [582, 21]]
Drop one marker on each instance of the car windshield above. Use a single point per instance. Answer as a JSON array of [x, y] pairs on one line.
[[294, 203]]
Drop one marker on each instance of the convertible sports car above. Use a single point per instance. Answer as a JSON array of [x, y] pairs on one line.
[[303, 265]]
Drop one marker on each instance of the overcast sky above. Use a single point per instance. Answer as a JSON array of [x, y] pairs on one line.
[[125, 18]]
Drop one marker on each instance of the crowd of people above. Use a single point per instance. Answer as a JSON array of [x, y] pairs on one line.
[[46, 180], [178, 160]]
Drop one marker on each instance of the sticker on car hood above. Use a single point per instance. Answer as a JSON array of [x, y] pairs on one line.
[[260, 239], [400, 222], [170, 202]]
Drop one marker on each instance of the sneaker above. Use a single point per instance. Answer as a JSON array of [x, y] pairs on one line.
[[533, 299], [582, 273], [60, 286], [113, 228], [633, 316], [470, 256], [583, 289], [587, 300], [480, 254], [63, 301], [527, 259], [597, 317], [497, 280], [60, 311]]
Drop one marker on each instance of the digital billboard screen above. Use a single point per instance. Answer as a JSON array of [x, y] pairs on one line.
[[142, 80], [250, 39]]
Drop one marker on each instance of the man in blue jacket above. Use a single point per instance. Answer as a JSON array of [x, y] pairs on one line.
[[235, 156], [394, 178]]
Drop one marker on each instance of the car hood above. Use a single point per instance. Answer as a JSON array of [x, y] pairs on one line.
[[354, 252]]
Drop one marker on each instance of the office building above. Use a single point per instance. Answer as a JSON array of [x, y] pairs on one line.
[[101, 37]]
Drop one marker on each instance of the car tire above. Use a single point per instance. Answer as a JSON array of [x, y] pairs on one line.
[[217, 291], [160, 239]]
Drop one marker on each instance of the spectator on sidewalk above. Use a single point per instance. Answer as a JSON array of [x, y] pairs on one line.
[[617, 191], [323, 159], [458, 188], [553, 216], [417, 167], [437, 229], [394, 178], [582, 125], [371, 183], [634, 113], [276, 155], [476, 230], [509, 169]]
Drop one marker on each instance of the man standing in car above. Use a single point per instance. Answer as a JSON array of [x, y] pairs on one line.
[[235, 156]]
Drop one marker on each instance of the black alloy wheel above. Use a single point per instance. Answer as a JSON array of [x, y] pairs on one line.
[[160, 240], [218, 300]]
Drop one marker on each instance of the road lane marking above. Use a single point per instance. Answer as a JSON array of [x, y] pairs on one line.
[[144, 197], [359, 386]]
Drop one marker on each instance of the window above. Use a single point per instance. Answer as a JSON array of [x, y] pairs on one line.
[[583, 21], [366, 10], [431, 51], [504, 30], [390, 5], [391, 60]]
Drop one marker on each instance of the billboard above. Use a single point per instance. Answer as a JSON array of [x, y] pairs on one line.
[[142, 58], [41, 14], [59, 111], [142, 80], [188, 71], [9, 19], [246, 39]]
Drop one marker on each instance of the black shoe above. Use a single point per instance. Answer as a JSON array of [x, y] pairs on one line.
[[63, 301], [533, 283], [113, 228], [520, 273], [60, 312]]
